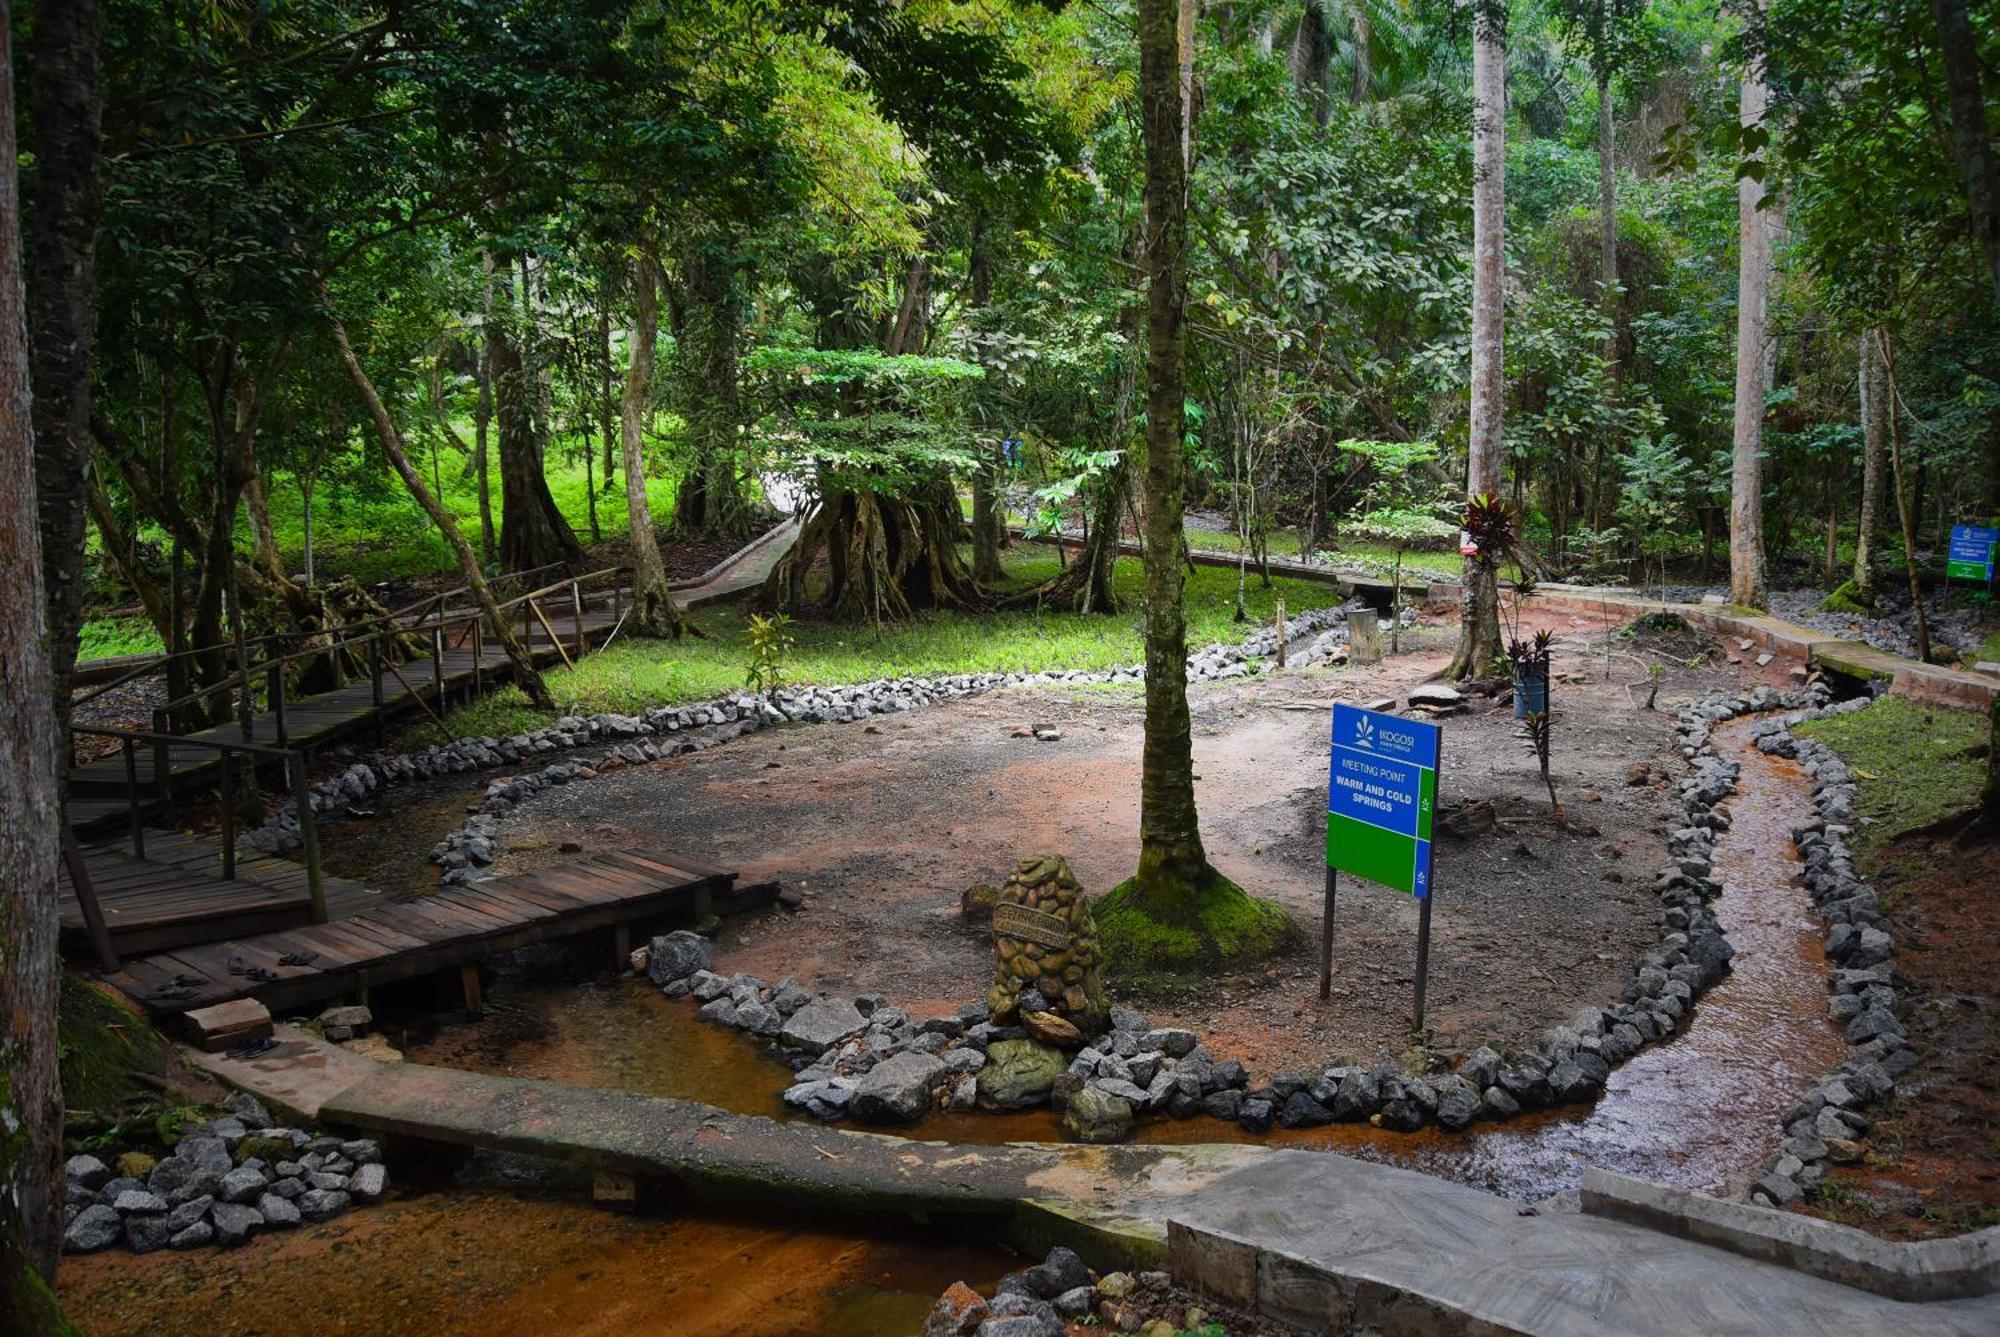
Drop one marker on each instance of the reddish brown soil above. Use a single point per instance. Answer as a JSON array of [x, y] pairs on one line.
[[1933, 1164], [881, 827]]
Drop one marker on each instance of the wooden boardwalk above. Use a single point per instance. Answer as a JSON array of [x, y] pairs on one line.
[[177, 895], [389, 941]]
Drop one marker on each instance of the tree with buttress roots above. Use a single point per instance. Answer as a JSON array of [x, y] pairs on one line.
[[1176, 910]]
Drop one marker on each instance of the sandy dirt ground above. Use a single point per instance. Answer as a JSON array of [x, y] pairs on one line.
[[881, 827]]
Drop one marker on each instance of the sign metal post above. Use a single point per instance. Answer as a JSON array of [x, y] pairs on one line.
[[1381, 798]]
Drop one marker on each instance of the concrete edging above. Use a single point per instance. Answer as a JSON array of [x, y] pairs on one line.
[[1948, 1269]]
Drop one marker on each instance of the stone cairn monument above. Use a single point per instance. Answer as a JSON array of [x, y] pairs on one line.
[[1050, 968]]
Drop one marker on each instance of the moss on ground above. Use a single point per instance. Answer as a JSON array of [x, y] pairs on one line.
[[100, 1047], [1229, 926], [1916, 763], [1845, 599]]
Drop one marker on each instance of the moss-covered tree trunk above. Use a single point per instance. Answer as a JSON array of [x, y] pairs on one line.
[[1172, 863], [653, 610], [31, 1107]]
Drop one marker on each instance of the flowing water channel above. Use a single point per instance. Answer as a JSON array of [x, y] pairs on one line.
[[512, 1252]]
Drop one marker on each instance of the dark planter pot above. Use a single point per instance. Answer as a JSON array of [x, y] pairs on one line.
[[1531, 690]]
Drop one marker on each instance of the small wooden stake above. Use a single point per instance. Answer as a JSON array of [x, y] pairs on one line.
[[468, 978], [1281, 631]]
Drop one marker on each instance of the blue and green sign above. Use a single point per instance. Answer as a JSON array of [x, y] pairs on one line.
[[1971, 554], [1381, 797]]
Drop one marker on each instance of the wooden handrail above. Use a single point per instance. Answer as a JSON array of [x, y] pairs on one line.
[[345, 633]]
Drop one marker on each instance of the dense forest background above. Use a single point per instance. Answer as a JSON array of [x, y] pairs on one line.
[[888, 240]]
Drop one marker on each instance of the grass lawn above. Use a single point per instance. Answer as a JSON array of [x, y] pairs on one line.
[[1350, 553], [1914, 761], [106, 637], [632, 674]]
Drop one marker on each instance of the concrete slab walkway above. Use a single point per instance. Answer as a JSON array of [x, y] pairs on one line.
[[1333, 1245], [1323, 1241]]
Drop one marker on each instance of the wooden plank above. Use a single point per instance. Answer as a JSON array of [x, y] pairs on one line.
[[398, 916], [514, 908], [556, 902], [672, 859]]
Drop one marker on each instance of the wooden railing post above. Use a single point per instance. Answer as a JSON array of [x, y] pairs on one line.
[[576, 617], [478, 654], [86, 899], [276, 690], [437, 664], [309, 830], [163, 763], [617, 595], [229, 812], [132, 797]]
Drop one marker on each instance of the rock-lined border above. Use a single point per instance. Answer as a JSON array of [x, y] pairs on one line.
[[1827, 1126], [217, 1189], [639, 739], [866, 1059]]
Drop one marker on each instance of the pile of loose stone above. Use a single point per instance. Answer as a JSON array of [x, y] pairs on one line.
[[1826, 1127], [225, 1181], [1043, 1300], [638, 739]]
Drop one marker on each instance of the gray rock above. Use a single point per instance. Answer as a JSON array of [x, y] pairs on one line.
[[362, 1150], [211, 1152], [87, 1171], [185, 1215], [244, 1184], [1171, 1040], [139, 1200], [235, 1223], [291, 1188], [145, 1232], [247, 1110], [278, 1213], [897, 1090], [1125, 1019], [1458, 1102], [1019, 1073], [1781, 1190], [368, 1182], [822, 1024], [321, 1205], [677, 955], [759, 1018], [1095, 1115], [1300, 1110], [1075, 1303], [96, 1227], [194, 1235]]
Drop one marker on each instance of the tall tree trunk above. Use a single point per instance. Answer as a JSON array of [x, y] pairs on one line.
[[1875, 409], [31, 1107], [526, 676], [1746, 475], [1173, 866], [988, 517], [1903, 508], [1479, 631], [269, 561], [533, 532], [1970, 141], [482, 413], [66, 104], [711, 498], [1607, 213], [653, 610], [606, 413]]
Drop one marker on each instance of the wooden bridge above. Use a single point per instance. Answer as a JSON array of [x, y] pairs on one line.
[[206, 924]]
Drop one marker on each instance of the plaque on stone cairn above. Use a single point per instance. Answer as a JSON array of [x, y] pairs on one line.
[[1048, 960]]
